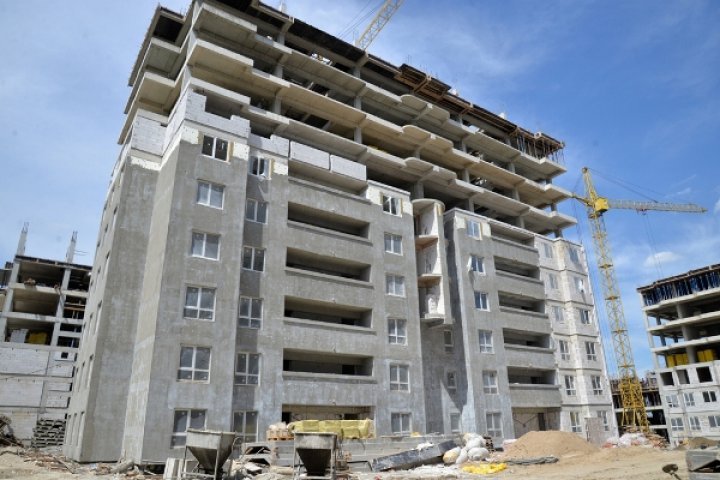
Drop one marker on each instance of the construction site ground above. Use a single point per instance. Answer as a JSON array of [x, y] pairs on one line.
[[636, 463]]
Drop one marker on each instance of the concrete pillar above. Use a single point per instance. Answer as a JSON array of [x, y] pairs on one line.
[[22, 240], [691, 351], [357, 135], [70, 255], [277, 105], [465, 175], [511, 167], [418, 191]]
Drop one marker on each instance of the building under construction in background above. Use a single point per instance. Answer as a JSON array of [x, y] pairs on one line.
[[651, 399], [42, 304], [297, 229], [682, 315]]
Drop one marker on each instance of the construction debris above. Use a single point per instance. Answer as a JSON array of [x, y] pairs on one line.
[[634, 439], [413, 458], [7, 437], [50, 461], [484, 468]]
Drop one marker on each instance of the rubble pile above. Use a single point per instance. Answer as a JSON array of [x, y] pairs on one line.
[[635, 439]]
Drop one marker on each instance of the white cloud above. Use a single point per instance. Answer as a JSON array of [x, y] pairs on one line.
[[660, 258], [716, 209]]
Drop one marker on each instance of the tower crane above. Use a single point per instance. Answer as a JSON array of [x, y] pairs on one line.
[[629, 386], [381, 19]]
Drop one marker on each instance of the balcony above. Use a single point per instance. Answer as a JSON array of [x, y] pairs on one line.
[[529, 357], [535, 396], [520, 285], [506, 248], [519, 319]]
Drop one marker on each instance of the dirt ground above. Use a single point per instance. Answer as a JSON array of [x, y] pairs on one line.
[[636, 463]]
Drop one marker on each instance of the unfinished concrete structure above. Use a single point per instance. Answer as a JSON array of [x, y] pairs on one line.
[[682, 317], [297, 229], [43, 303], [653, 403]]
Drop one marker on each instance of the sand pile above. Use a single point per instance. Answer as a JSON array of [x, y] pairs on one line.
[[542, 444]]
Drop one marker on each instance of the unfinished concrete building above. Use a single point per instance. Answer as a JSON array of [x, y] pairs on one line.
[[297, 229], [682, 315], [43, 303], [653, 403]]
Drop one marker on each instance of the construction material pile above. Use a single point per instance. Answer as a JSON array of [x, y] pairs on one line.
[[48, 433], [349, 429], [635, 439], [545, 444], [475, 449]]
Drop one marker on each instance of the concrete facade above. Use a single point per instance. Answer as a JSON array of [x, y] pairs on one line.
[[41, 324], [295, 229], [682, 317]]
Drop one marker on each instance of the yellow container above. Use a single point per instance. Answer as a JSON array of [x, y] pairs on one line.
[[38, 338]]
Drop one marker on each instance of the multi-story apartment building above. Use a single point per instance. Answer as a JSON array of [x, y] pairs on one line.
[[41, 320], [297, 229], [682, 317]]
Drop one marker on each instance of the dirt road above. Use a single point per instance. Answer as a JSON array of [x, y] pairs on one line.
[[635, 463]]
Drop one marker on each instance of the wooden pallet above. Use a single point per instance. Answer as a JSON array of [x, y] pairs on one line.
[[278, 435]]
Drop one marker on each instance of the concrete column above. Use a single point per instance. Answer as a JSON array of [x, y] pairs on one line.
[[521, 222], [465, 175], [418, 191], [357, 135], [511, 167], [277, 105], [688, 334]]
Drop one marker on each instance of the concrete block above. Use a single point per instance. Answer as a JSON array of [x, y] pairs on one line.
[[148, 135], [196, 110], [309, 155], [275, 145], [57, 401], [59, 386], [23, 360], [240, 150], [21, 393], [348, 168]]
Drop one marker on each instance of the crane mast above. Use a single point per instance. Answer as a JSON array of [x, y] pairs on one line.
[[629, 386]]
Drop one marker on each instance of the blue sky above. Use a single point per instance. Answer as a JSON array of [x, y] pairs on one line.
[[632, 87]]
